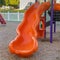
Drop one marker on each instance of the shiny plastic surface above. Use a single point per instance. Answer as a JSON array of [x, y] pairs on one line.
[[25, 43]]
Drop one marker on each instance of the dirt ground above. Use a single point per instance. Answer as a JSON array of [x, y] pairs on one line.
[[46, 50]]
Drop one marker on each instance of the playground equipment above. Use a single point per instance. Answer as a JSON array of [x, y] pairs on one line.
[[28, 31], [2, 21]]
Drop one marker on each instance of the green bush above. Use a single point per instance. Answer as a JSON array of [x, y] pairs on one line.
[[14, 3], [2, 2]]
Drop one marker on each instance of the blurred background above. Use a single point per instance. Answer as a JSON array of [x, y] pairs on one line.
[[13, 10]]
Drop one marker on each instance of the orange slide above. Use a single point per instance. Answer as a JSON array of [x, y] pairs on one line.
[[25, 42], [57, 7]]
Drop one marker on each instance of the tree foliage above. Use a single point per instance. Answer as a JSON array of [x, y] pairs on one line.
[[10, 2]]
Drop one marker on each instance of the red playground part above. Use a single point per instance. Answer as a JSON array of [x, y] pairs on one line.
[[2, 21]]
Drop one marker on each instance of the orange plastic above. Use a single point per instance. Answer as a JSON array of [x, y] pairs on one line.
[[41, 30], [25, 44], [57, 7]]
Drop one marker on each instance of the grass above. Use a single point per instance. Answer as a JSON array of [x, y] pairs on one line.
[[22, 11], [12, 10]]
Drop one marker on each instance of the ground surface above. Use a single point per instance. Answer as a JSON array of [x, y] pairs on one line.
[[46, 50]]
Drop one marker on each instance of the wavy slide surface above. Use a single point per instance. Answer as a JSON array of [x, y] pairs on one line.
[[25, 42]]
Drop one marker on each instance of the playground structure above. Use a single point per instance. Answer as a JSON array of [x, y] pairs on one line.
[[2, 21], [28, 31]]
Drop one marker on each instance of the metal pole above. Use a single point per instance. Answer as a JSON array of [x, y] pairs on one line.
[[54, 26], [36, 0], [54, 21], [51, 22], [45, 21]]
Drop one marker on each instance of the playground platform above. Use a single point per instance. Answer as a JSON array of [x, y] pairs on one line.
[[46, 50]]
